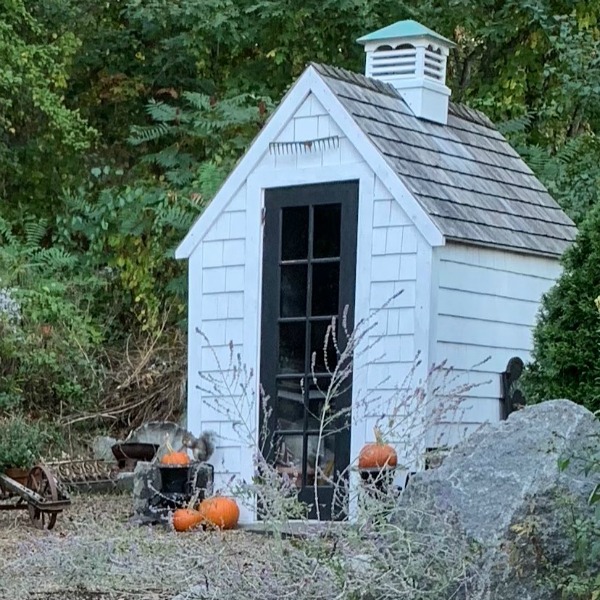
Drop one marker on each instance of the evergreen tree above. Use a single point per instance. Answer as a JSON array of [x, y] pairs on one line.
[[566, 356]]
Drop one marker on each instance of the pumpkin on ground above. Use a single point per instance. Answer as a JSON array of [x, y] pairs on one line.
[[220, 512], [377, 454], [185, 519]]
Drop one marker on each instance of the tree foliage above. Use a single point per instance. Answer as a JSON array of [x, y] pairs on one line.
[[119, 119], [39, 133], [566, 357]]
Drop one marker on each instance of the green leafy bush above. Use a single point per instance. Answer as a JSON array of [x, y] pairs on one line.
[[49, 342], [566, 354], [21, 443], [129, 235]]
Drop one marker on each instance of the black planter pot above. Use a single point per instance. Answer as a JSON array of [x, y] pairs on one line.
[[378, 481], [175, 479], [128, 454]]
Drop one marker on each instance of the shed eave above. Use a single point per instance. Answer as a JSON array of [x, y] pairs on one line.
[[503, 248], [274, 125]]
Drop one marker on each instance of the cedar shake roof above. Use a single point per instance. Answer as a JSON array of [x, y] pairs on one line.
[[473, 184]]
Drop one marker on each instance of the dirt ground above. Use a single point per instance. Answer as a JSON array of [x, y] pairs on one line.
[[94, 553]]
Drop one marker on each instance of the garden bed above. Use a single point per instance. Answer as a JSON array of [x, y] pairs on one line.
[[95, 554]]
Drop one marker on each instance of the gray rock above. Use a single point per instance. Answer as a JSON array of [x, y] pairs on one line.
[[146, 486], [102, 448], [503, 490], [152, 503]]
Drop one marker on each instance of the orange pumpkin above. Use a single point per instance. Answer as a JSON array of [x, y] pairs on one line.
[[176, 458], [377, 454], [185, 519], [220, 512]]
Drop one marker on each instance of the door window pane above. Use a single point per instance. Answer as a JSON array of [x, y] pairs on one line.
[[289, 452], [325, 289], [292, 342], [327, 230], [318, 397], [290, 404], [294, 233], [323, 352], [320, 459], [293, 290]]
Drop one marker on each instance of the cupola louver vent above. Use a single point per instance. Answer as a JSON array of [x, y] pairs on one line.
[[412, 58]]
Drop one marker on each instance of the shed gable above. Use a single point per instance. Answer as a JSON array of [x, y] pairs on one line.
[[311, 138], [310, 108]]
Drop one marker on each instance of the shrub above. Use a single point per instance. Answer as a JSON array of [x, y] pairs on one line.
[[21, 443], [130, 234], [566, 355], [49, 343]]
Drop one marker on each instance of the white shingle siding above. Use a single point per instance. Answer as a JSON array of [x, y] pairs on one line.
[[486, 307], [393, 342], [216, 301], [312, 122]]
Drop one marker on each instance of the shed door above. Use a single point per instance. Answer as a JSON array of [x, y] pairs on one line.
[[309, 275]]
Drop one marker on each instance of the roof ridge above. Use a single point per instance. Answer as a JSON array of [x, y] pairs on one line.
[[456, 109], [462, 111], [359, 79]]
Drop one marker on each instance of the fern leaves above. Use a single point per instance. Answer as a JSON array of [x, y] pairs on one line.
[[197, 131], [143, 135], [25, 258]]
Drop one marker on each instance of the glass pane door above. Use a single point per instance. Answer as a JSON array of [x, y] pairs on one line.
[[309, 272]]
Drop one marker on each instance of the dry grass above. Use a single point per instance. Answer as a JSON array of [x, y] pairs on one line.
[[143, 382], [94, 553]]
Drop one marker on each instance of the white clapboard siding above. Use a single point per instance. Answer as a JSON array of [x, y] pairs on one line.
[[487, 302]]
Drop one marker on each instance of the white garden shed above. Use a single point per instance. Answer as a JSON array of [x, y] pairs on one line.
[[360, 186]]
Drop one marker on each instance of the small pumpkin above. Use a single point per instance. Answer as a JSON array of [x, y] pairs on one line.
[[377, 454], [175, 458], [220, 512], [185, 519]]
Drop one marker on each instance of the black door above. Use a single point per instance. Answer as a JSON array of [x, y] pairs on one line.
[[309, 273]]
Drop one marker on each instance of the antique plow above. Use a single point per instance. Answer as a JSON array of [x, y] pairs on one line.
[[43, 497]]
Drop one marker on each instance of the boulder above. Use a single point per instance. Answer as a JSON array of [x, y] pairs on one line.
[[506, 495], [102, 448]]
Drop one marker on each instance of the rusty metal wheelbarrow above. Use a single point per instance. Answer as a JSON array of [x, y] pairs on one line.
[[43, 496]]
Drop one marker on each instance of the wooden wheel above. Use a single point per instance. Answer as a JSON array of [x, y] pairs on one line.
[[41, 481]]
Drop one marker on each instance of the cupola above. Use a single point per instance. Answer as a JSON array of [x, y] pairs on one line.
[[412, 58]]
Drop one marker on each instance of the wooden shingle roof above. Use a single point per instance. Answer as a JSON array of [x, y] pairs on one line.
[[473, 184]]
